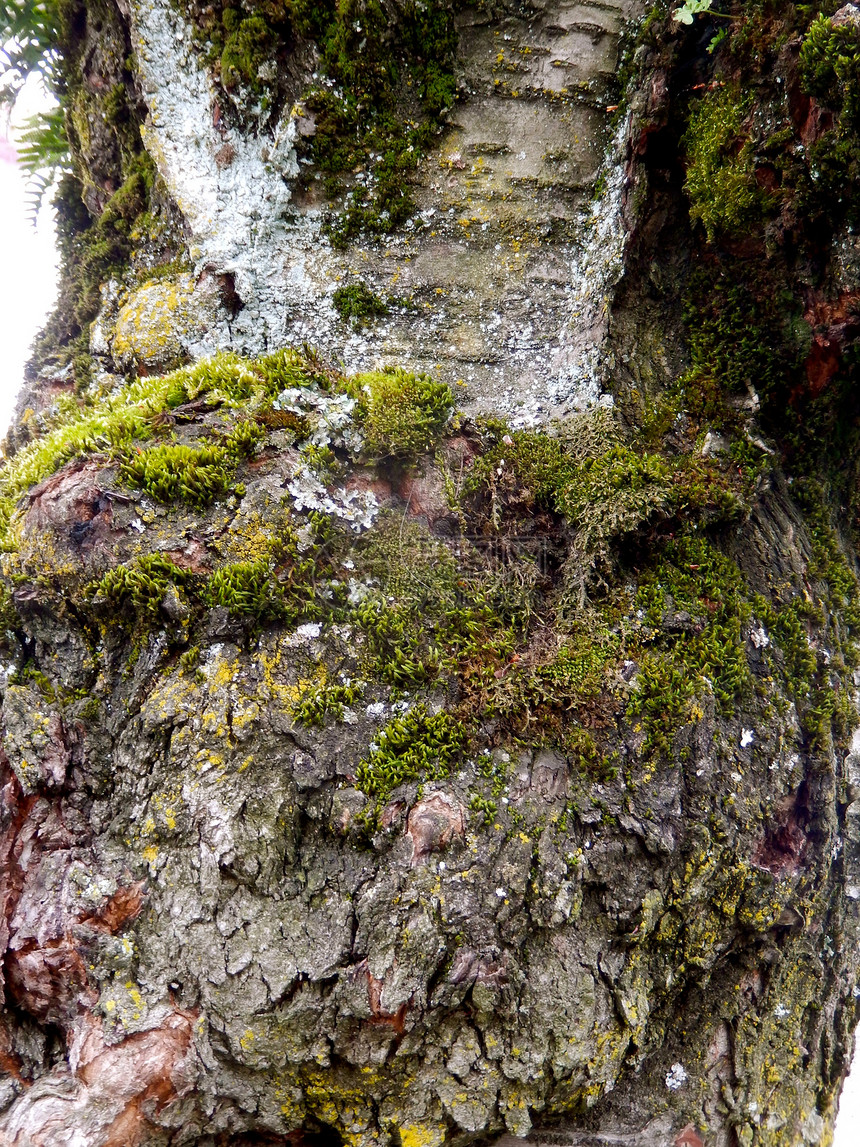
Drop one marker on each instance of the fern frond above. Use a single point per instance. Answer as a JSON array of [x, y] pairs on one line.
[[29, 35], [44, 155]]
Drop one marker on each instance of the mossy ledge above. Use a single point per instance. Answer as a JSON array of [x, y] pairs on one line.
[[378, 775], [513, 644]]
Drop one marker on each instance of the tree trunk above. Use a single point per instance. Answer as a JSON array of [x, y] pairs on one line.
[[430, 719]]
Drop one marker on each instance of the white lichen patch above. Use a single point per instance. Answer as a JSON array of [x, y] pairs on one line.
[[330, 416], [235, 212], [357, 508], [676, 1077]]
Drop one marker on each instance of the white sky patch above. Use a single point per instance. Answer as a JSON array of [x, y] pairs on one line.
[[28, 262]]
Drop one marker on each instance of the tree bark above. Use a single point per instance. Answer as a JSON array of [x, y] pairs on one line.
[[376, 772]]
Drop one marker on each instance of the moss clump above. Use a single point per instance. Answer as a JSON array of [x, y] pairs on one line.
[[695, 603], [744, 332], [385, 77], [246, 588], [417, 746], [532, 464], [115, 422], [196, 474], [136, 591], [546, 697], [173, 472], [243, 42], [90, 253], [249, 46], [402, 413], [290, 584], [396, 644], [358, 304], [607, 494], [325, 700], [724, 196], [608, 497], [830, 66], [830, 71], [393, 79]]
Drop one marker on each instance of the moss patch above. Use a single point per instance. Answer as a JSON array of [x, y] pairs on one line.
[[392, 81], [403, 413], [724, 196], [358, 305], [420, 745]]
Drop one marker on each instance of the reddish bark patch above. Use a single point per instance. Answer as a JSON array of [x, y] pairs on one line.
[[47, 980], [433, 824], [14, 809], [378, 1015], [123, 908], [70, 502], [192, 557], [688, 1137], [379, 487], [835, 323], [394, 1020], [822, 364], [781, 849]]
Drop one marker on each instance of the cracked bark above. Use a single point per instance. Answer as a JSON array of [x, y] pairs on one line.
[[202, 945]]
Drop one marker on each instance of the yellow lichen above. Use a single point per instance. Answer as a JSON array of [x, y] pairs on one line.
[[157, 322]]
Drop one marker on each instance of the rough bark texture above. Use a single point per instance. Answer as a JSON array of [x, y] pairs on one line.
[[378, 774]]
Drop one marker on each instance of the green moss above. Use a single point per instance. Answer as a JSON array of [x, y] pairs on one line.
[[721, 186], [608, 497], [545, 698], [384, 79], [90, 253], [169, 472], [357, 304], [325, 700], [114, 422], [741, 334], [133, 593], [246, 588], [250, 44], [190, 659], [417, 746], [403, 413], [396, 643], [695, 602], [393, 79], [536, 464], [30, 675], [289, 583], [486, 808], [830, 66]]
